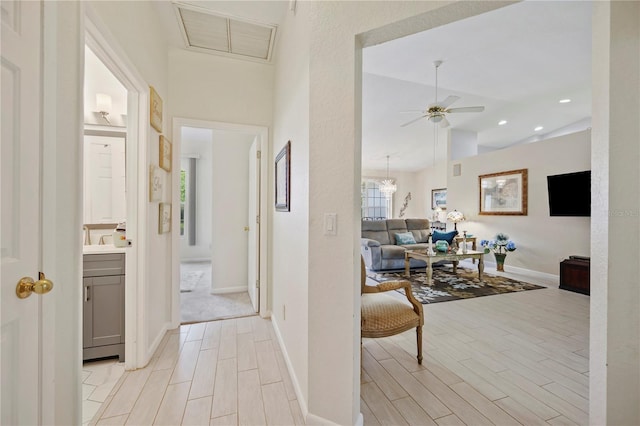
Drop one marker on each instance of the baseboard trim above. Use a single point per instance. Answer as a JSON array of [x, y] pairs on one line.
[[151, 350], [294, 379], [310, 419], [224, 290], [529, 273]]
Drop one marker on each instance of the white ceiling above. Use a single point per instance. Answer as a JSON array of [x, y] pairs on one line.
[[517, 61]]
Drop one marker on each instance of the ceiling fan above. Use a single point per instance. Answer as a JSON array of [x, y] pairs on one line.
[[437, 111]]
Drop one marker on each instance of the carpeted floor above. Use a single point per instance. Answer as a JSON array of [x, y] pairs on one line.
[[449, 286], [197, 304]]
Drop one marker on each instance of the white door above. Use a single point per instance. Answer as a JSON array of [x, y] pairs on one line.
[[254, 226], [20, 232]]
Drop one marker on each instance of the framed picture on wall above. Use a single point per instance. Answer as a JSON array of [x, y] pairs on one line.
[[164, 218], [155, 109], [155, 183], [439, 198], [165, 153], [283, 177], [503, 193]]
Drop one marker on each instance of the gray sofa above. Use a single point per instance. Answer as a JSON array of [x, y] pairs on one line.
[[378, 244]]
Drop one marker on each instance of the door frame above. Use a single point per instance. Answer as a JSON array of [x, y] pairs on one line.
[[264, 147], [101, 42]]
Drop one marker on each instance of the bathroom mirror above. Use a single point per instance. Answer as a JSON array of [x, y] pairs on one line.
[[104, 177]]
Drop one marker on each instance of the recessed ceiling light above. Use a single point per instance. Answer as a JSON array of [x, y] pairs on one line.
[[537, 129], [564, 101], [502, 122]]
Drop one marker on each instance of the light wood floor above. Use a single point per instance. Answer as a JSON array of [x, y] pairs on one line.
[[519, 358], [216, 373]]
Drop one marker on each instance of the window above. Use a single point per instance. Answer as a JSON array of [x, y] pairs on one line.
[[374, 204], [183, 198], [188, 173]]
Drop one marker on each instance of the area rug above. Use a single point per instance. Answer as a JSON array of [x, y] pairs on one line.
[[189, 280], [448, 286]]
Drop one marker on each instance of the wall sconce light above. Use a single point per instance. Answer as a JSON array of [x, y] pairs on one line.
[[103, 104]]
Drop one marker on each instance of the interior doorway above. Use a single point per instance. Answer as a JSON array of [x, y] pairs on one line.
[[219, 199]]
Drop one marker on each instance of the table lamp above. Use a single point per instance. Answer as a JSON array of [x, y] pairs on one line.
[[455, 217]]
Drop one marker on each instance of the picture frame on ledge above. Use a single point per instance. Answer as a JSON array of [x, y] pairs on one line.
[[504, 193], [439, 198], [164, 218], [155, 183], [165, 153], [155, 109], [283, 179]]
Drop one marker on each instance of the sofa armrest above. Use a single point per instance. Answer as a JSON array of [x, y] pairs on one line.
[[367, 242]]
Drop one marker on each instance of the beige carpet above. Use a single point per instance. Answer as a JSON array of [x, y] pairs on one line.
[[198, 304]]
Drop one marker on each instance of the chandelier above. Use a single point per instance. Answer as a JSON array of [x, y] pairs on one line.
[[387, 187]]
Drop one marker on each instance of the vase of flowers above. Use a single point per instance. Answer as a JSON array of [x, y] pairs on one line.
[[500, 245]]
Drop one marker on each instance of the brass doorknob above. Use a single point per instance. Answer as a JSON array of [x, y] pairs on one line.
[[26, 286]]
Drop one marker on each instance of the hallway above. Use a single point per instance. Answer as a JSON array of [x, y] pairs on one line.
[[197, 304], [220, 373]]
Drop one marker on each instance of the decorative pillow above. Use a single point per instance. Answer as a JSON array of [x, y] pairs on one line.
[[404, 238], [446, 236]]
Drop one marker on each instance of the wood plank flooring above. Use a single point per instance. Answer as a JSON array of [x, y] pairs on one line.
[[511, 359], [226, 372]]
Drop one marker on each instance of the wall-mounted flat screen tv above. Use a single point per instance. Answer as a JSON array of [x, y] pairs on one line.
[[570, 194]]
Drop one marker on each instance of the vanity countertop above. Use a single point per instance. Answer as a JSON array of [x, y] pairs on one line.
[[102, 249]]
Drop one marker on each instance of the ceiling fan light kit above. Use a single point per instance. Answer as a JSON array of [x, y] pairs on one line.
[[436, 113]]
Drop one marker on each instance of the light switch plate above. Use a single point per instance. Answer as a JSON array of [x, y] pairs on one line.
[[330, 224]]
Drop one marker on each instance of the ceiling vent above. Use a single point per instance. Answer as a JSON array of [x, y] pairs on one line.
[[210, 32]]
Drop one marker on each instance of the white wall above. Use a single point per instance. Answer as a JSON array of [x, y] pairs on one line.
[[213, 88], [199, 142], [434, 177], [335, 76], [614, 363], [230, 204], [542, 241], [134, 25], [290, 230]]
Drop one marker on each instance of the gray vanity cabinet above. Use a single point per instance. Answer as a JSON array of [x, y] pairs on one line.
[[103, 306]]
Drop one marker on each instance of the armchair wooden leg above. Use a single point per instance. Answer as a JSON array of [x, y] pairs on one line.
[[419, 338]]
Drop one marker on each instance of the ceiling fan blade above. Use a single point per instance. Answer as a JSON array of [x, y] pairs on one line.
[[449, 101], [467, 109], [444, 122], [412, 111], [413, 121]]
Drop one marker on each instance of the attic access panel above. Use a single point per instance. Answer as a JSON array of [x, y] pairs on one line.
[[210, 32]]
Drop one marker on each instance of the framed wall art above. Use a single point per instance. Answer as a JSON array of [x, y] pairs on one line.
[[155, 109], [155, 183], [164, 218], [165, 153], [503, 193], [283, 177], [439, 198]]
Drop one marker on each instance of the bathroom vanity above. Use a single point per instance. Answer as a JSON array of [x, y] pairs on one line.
[[103, 278]]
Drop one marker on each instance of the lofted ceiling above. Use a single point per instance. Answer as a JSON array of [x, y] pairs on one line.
[[518, 61]]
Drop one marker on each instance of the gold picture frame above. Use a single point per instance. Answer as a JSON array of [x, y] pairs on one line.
[[155, 109], [165, 153], [164, 218], [155, 183], [503, 193]]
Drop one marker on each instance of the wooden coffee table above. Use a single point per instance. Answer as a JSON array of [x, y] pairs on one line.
[[453, 257]]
